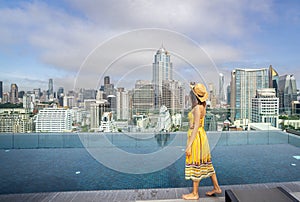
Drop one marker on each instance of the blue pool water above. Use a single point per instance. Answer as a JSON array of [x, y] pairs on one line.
[[73, 168]]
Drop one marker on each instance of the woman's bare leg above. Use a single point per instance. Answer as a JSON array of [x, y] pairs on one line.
[[217, 189], [194, 195]]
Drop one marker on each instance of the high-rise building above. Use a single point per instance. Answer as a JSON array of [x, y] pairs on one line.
[[173, 96], [88, 94], [60, 96], [244, 83], [37, 93], [106, 80], [296, 107], [273, 79], [14, 94], [265, 107], [228, 94], [162, 71], [28, 102], [1, 91], [54, 120], [122, 104], [287, 92], [96, 110], [15, 121], [69, 101], [50, 89], [212, 95], [221, 88], [110, 93], [142, 97], [6, 98]]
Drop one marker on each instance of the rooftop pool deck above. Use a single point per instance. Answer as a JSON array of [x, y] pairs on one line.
[[75, 165], [142, 195]]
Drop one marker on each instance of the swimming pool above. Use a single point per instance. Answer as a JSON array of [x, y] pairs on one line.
[[62, 162]]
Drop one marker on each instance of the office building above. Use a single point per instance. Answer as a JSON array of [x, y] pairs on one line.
[[287, 92], [228, 93], [97, 109], [69, 102], [1, 91], [142, 97], [162, 71], [273, 79], [54, 120], [28, 102], [221, 96], [212, 96], [122, 104], [173, 96], [50, 89], [15, 121], [265, 107], [14, 94], [88, 94], [244, 83], [6, 98], [110, 94]]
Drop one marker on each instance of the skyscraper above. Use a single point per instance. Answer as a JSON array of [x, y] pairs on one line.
[[1, 91], [265, 107], [162, 71], [244, 83], [173, 96], [50, 89], [287, 92], [14, 93], [221, 88], [142, 97], [122, 104], [273, 79], [212, 95], [96, 110], [110, 93]]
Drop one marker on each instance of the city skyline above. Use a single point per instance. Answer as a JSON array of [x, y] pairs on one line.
[[235, 35]]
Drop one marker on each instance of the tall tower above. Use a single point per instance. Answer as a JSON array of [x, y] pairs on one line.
[[122, 104], [221, 88], [110, 93], [1, 91], [50, 88], [14, 93], [273, 79], [162, 71], [287, 92], [106, 80], [244, 83]]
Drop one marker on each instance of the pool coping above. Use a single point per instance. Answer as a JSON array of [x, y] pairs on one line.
[[159, 194]]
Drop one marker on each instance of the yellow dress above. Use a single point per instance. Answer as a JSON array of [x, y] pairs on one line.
[[198, 165]]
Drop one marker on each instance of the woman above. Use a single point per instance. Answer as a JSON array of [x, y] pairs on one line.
[[198, 159]]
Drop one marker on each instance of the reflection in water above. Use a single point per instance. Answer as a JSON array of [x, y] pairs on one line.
[[162, 139]]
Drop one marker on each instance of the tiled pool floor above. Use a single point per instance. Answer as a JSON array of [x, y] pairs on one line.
[[154, 195]]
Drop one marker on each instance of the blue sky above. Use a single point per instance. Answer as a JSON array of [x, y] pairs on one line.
[[51, 39]]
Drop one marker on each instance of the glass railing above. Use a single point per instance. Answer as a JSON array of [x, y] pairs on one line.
[[82, 140]]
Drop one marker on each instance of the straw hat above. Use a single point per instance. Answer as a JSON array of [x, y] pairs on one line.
[[200, 91]]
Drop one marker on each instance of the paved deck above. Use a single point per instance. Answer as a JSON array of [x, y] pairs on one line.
[[141, 195]]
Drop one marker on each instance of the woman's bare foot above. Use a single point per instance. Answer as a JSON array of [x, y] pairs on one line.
[[190, 196], [214, 191]]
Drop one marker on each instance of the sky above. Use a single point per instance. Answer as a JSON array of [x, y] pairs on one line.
[[78, 42]]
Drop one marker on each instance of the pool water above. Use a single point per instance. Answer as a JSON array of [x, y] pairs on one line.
[[69, 169]]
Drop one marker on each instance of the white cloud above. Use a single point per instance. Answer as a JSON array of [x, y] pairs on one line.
[[63, 40]]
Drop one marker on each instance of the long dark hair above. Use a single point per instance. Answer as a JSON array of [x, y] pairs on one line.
[[195, 101]]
